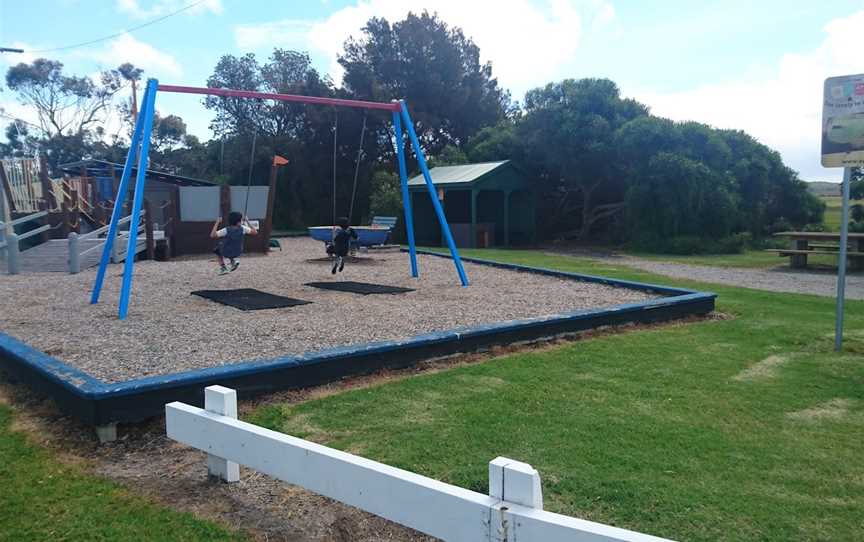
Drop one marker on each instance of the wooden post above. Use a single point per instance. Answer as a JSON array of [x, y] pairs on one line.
[[76, 211], [74, 253], [7, 188], [66, 228], [45, 235], [267, 228], [12, 251], [47, 186], [99, 214], [148, 230], [507, 194], [115, 184], [799, 260]]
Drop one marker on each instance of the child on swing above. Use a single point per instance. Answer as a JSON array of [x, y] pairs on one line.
[[341, 244], [231, 244]]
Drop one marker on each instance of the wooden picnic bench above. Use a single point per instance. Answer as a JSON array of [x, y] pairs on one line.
[[804, 243]]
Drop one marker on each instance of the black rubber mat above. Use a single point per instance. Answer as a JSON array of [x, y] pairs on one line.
[[249, 299], [359, 287]]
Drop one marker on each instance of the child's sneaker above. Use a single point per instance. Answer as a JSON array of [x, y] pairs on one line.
[[341, 265], [335, 265], [223, 270], [234, 266]]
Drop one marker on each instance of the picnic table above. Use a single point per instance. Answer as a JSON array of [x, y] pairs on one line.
[[805, 243]]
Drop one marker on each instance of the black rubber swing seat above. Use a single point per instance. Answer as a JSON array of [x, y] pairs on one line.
[[359, 287], [249, 299]]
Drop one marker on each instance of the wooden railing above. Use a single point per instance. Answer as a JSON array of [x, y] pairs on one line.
[[75, 241], [10, 241]]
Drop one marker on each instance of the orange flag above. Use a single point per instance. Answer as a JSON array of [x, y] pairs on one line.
[[279, 161]]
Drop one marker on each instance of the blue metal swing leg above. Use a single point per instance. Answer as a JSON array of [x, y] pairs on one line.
[[406, 197], [442, 219], [140, 180], [119, 200]]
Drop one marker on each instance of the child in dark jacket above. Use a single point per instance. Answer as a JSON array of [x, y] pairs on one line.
[[342, 244], [231, 240]]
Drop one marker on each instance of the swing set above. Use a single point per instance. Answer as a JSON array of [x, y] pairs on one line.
[[139, 149]]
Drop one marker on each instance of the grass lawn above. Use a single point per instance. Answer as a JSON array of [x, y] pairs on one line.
[[44, 499], [833, 210], [741, 429]]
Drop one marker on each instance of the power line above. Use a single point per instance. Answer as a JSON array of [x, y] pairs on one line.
[[112, 36], [17, 120]]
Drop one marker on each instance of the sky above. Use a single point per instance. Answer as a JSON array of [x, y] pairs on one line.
[[755, 66]]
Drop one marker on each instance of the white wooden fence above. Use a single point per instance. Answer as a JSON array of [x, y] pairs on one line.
[[511, 512]]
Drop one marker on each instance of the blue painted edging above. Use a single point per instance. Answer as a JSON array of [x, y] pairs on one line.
[[97, 402]]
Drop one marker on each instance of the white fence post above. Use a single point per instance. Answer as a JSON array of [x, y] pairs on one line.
[[221, 400], [13, 265], [74, 253], [513, 510], [516, 482]]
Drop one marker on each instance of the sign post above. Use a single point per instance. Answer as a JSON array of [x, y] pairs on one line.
[[843, 146]]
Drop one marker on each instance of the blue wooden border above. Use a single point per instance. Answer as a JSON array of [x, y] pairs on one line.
[[96, 402]]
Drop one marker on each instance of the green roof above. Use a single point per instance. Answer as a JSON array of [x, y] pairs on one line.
[[464, 174]]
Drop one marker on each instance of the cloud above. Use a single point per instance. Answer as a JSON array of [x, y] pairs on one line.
[[528, 42], [126, 48], [284, 33], [163, 7], [782, 106]]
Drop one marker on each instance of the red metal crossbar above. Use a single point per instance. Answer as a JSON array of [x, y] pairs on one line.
[[391, 106]]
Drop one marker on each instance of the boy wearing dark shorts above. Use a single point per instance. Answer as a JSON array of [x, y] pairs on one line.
[[342, 244], [231, 240]]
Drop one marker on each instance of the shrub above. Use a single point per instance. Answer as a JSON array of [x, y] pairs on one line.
[[688, 245], [813, 227], [781, 224]]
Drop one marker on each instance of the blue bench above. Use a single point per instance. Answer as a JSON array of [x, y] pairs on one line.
[[388, 222]]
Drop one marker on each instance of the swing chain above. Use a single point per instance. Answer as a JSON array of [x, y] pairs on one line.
[[357, 168]]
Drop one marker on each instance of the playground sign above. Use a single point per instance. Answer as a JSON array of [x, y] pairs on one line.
[[843, 121]]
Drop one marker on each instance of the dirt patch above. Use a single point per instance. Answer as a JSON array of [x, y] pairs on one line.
[[835, 409], [767, 368]]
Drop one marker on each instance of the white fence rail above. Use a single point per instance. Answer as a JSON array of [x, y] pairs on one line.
[[511, 512]]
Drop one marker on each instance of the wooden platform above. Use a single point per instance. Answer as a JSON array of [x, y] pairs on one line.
[[53, 256]]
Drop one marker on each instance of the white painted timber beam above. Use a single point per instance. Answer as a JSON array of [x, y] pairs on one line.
[[512, 512]]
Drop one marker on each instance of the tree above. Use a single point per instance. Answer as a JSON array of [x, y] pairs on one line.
[[569, 132], [856, 187], [65, 104], [449, 156], [494, 143], [302, 133], [451, 94], [286, 72], [679, 197], [168, 131]]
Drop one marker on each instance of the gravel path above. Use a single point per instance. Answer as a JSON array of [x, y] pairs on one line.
[[780, 279], [168, 330]]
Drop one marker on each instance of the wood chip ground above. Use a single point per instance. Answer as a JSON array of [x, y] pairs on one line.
[[169, 330]]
